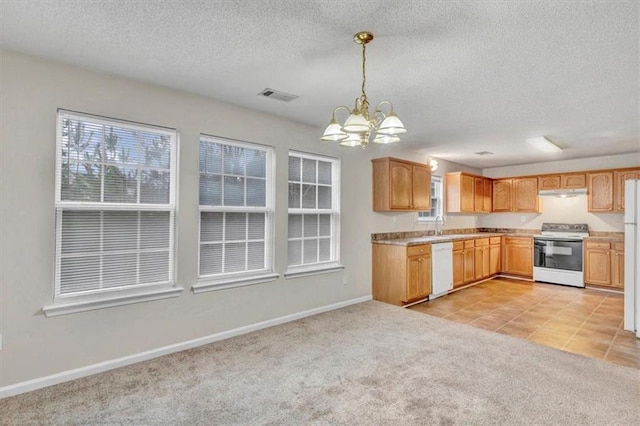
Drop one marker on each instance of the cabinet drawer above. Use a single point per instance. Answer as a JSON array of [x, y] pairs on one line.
[[458, 245], [618, 246], [421, 249], [494, 240], [518, 240], [482, 242], [468, 244], [598, 245]]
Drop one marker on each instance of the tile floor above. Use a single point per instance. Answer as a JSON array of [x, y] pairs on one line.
[[582, 321]]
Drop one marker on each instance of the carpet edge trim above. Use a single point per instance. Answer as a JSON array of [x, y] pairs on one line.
[[78, 373]]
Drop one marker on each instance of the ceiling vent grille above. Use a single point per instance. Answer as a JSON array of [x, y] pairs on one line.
[[484, 153], [280, 96]]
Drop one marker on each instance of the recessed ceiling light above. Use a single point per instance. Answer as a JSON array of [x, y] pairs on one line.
[[484, 153], [543, 144]]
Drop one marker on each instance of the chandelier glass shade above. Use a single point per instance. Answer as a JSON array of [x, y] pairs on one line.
[[361, 127]]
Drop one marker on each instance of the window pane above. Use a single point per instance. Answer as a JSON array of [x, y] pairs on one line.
[[81, 140], [211, 226], [119, 270], [325, 224], [324, 197], [257, 226], [80, 232], [233, 191], [294, 195], [324, 172], [155, 150], [308, 196], [295, 226], [234, 257], [155, 229], [235, 226], [325, 250], [210, 190], [210, 157], [255, 259], [154, 187], [120, 146], [310, 254], [81, 181], [210, 259], [120, 230], [310, 225], [308, 170], [234, 160], [79, 274], [121, 185], [294, 169], [294, 252], [154, 267], [256, 192], [256, 163]]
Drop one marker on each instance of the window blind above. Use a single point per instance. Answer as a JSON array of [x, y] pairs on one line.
[[115, 205], [236, 199]]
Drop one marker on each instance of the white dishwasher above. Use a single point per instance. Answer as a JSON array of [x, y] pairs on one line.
[[441, 269]]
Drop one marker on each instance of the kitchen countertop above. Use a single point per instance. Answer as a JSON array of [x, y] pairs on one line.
[[431, 239], [613, 239]]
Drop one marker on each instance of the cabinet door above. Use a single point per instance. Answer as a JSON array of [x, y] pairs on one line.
[[525, 194], [502, 195], [574, 181], [618, 186], [478, 199], [600, 192], [467, 193], [469, 273], [597, 267], [617, 269], [486, 206], [518, 259], [400, 185], [418, 277], [494, 259], [458, 268], [481, 262], [421, 188], [549, 182]]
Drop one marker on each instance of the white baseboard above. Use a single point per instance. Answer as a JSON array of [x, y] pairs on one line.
[[77, 373]]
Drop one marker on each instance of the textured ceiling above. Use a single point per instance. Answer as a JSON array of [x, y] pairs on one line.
[[464, 76]]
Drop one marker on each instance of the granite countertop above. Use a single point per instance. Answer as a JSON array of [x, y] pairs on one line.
[[610, 238], [431, 239]]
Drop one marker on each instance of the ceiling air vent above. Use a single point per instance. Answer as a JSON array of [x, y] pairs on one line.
[[280, 96], [484, 153]]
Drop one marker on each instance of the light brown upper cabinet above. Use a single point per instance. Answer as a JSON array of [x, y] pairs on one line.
[[619, 176], [563, 181], [401, 185], [525, 195], [502, 195], [600, 192], [467, 193]]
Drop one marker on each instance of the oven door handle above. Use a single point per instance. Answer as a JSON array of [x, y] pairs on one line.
[[545, 240]]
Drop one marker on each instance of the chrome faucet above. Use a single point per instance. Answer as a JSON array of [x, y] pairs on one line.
[[439, 229]]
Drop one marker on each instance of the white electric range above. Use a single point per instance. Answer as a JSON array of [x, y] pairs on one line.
[[557, 254]]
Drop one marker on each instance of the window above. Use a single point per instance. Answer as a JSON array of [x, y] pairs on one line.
[[115, 208], [436, 201], [236, 211], [313, 211]]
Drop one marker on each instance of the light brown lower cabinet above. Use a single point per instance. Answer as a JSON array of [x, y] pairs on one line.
[[604, 263], [518, 256], [400, 274], [495, 255], [463, 263], [482, 261]]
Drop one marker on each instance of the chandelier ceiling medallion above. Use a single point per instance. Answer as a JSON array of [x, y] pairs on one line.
[[361, 127]]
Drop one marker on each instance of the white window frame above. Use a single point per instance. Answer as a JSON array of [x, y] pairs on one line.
[[108, 297], [426, 215], [222, 281], [334, 263]]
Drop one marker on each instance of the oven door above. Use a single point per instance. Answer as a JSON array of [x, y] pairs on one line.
[[557, 254]]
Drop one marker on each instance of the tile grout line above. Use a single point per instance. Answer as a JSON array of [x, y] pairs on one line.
[[583, 323]]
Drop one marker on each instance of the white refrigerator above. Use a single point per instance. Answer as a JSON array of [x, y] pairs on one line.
[[632, 256]]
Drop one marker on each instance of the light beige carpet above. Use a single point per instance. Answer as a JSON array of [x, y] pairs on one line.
[[366, 364]]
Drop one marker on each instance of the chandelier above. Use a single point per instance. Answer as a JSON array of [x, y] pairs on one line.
[[361, 126]]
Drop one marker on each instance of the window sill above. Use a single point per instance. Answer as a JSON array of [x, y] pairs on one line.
[[223, 284], [313, 270], [82, 304]]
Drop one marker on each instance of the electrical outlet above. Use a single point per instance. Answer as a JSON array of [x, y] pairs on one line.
[[523, 219]]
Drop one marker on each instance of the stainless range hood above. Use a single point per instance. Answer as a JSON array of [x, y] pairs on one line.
[[562, 193]]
